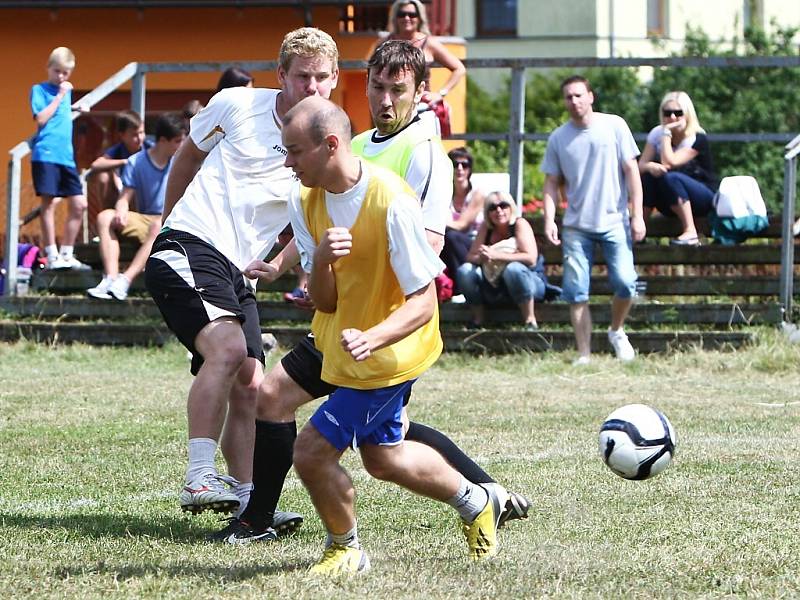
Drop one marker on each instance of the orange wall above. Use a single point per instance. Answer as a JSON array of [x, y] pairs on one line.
[[104, 40]]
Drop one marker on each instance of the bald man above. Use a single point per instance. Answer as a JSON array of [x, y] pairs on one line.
[[361, 238]]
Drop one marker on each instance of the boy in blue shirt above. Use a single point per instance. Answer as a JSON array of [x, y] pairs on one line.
[[144, 181], [53, 160], [105, 179]]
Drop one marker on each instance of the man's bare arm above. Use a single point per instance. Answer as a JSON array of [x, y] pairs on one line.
[[185, 164]]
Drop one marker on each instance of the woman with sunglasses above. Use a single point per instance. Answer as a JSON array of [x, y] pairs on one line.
[[677, 171], [503, 263], [408, 21], [466, 212]]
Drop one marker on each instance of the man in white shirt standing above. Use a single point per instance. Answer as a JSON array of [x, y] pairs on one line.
[[226, 203]]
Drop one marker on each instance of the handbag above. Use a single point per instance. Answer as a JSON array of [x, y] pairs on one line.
[[493, 269]]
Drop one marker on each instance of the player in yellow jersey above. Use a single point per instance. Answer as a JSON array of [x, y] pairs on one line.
[[360, 235]]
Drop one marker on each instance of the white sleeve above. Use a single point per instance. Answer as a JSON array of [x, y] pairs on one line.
[[430, 175], [414, 262], [211, 124], [302, 236]]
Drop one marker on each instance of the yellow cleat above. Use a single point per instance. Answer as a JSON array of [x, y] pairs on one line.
[[341, 560], [481, 534]]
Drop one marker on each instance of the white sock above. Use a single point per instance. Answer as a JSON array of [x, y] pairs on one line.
[[51, 252], [201, 458], [470, 500], [348, 538], [67, 251], [243, 492]]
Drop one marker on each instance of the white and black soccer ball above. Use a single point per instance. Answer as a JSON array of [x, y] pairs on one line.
[[637, 441]]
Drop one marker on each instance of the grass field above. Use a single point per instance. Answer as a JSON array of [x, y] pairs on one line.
[[92, 455]]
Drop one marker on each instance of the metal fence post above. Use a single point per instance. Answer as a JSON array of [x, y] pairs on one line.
[[138, 85], [787, 242], [12, 223], [515, 133]]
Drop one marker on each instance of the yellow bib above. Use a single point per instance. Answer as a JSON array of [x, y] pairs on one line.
[[368, 292]]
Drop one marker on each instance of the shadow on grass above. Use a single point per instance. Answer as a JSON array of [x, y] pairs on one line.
[[201, 569], [175, 529]]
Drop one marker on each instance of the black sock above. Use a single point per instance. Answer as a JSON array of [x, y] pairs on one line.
[[417, 432], [272, 459]]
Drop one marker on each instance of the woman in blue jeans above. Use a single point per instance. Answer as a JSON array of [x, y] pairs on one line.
[[502, 263], [677, 171]]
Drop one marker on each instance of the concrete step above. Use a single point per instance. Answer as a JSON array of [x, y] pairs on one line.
[[73, 308], [491, 341]]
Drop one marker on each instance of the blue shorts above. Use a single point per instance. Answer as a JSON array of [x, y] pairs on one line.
[[579, 246], [50, 179], [351, 417]]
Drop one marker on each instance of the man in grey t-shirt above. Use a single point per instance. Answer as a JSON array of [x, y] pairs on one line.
[[591, 154]]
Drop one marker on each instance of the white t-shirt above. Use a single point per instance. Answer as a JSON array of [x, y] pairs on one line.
[[237, 200], [414, 262], [429, 173], [655, 136], [590, 161]]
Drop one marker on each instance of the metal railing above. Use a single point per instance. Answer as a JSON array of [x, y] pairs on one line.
[[515, 136]]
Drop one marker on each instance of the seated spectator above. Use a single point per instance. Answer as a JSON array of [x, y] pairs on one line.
[[144, 180], [503, 263], [234, 77], [678, 176], [466, 213], [105, 182]]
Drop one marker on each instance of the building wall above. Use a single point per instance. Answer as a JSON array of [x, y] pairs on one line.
[[595, 28], [105, 40]]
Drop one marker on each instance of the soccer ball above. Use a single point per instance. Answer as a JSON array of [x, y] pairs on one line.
[[637, 441]]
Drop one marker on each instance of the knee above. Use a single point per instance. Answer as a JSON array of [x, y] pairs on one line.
[[307, 461], [77, 205], [104, 218], [226, 354], [380, 467]]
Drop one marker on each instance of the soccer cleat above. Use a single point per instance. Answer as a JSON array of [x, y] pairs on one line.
[[286, 523], [119, 287], [100, 291], [208, 492], [516, 507], [241, 532], [622, 347], [341, 560], [481, 534]]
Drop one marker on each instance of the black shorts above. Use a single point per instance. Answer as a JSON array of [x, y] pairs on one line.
[[59, 181], [304, 365], [193, 284]]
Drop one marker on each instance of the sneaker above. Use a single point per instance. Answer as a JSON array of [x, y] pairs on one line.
[[119, 287], [581, 361], [341, 560], [208, 492], [64, 262], [622, 347], [100, 291], [240, 532], [286, 523], [55, 263], [458, 299], [481, 534], [516, 507]]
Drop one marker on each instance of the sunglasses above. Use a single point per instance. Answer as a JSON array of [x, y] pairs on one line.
[[464, 164], [668, 112], [402, 14], [500, 205]]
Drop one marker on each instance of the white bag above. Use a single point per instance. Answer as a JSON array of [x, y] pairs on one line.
[[739, 196]]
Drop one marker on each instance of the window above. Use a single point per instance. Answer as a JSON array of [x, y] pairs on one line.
[[357, 18], [656, 18], [496, 18]]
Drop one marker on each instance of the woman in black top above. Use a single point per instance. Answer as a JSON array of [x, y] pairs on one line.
[[677, 171]]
